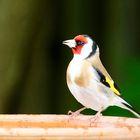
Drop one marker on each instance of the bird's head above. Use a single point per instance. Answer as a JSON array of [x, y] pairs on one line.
[[82, 46]]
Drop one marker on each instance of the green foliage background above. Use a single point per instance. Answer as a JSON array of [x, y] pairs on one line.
[[33, 61]]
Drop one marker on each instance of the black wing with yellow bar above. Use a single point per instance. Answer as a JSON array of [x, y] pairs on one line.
[[109, 83]]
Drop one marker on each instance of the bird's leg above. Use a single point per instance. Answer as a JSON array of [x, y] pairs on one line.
[[76, 113], [96, 117]]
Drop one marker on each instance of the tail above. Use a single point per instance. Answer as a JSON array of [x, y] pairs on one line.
[[118, 101]]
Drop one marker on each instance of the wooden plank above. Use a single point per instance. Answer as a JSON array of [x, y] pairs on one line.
[[58, 127]]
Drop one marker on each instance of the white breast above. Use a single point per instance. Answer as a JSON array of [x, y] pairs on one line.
[[93, 96]]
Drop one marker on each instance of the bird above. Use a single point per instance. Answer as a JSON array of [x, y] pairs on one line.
[[89, 81]]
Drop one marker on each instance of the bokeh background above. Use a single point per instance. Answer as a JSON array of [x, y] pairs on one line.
[[33, 61]]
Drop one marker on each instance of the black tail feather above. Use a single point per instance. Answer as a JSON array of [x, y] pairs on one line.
[[130, 108]]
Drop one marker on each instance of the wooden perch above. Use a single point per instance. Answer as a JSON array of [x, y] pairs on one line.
[[53, 127]]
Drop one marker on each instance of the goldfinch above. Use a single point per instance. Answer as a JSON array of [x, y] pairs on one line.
[[88, 80]]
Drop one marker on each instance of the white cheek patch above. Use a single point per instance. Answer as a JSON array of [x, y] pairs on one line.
[[87, 49]]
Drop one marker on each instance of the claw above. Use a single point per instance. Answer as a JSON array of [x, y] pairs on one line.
[[73, 114], [76, 113], [70, 112]]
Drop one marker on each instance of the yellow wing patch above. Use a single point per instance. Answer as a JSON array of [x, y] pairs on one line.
[[112, 86], [109, 83]]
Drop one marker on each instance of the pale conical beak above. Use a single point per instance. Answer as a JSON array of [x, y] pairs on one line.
[[71, 43]]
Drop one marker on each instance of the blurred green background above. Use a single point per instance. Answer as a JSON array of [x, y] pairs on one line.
[[33, 61]]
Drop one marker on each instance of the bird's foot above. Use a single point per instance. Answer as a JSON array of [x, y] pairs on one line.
[[96, 117], [76, 113], [73, 114]]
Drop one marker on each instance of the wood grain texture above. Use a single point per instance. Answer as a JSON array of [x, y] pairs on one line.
[[53, 127]]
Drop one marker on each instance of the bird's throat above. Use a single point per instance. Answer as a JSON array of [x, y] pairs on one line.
[[77, 49]]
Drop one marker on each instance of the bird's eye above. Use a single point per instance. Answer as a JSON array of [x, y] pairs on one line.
[[80, 43]]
